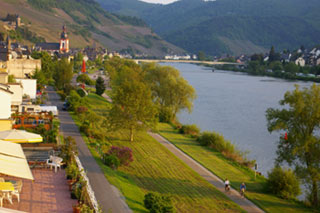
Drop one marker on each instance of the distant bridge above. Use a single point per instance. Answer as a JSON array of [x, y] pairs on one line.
[[183, 61]]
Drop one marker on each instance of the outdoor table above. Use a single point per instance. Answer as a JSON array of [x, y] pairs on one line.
[[6, 188]]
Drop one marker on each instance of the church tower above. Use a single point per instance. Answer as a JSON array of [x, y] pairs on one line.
[[64, 41]]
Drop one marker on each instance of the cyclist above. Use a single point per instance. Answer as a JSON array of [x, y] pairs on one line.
[[242, 189], [227, 185]]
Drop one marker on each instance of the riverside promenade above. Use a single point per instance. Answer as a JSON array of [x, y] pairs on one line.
[[108, 196]]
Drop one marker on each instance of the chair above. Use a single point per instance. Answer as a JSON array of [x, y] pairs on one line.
[[17, 190], [54, 161], [2, 195]]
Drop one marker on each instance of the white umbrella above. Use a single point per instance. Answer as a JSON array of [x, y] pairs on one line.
[[20, 136], [11, 149], [13, 161]]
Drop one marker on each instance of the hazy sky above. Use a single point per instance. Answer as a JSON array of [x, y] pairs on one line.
[[159, 1]]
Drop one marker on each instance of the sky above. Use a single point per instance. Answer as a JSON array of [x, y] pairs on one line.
[[159, 1]]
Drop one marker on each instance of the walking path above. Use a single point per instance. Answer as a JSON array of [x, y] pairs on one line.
[[108, 196], [234, 195]]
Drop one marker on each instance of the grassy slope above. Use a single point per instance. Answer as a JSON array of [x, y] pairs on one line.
[[224, 168], [156, 169]]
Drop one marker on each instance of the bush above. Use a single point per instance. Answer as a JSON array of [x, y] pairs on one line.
[[81, 92], [190, 130], [111, 161], [124, 154], [84, 78], [283, 183], [157, 203], [217, 142]]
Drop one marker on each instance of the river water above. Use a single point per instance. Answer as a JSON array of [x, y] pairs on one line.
[[234, 104]]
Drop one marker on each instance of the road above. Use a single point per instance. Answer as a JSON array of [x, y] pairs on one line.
[[108, 196]]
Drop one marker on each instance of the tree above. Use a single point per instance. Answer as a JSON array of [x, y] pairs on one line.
[[100, 87], [170, 90], [273, 56], [132, 107], [63, 74], [300, 119], [201, 56]]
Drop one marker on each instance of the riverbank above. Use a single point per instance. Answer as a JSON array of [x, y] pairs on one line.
[[224, 168], [269, 73]]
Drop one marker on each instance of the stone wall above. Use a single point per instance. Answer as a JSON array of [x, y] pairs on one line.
[[20, 67]]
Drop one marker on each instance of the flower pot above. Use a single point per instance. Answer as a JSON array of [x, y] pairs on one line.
[[76, 209]]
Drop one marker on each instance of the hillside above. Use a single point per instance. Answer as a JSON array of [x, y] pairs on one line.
[[87, 24], [231, 26]]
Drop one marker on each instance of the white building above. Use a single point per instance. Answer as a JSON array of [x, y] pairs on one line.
[[300, 62], [29, 87], [17, 90], [5, 106]]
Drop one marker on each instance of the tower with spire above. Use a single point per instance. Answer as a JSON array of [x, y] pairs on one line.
[[64, 40]]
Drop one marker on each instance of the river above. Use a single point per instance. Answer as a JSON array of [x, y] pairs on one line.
[[234, 104]]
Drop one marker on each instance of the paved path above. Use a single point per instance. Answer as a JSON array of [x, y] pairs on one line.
[[207, 175], [107, 195]]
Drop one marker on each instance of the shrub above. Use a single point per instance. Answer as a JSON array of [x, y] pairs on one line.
[[81, 92], [111, 161], [84, 78], [157, 203], [283, 183], [124, 154], [190, 130], [217, 142]]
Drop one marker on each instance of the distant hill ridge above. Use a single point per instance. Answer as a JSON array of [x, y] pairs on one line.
[[229, 26], [87, 24]]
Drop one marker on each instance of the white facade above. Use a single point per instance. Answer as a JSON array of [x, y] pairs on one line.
[[5, 106], [17, 90], [29, 87], [300, 61]]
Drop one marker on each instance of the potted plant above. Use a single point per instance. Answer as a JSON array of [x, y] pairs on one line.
[[77, 208]]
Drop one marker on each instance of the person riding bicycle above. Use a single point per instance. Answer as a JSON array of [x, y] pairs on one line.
[[227, 184], [242, 189]]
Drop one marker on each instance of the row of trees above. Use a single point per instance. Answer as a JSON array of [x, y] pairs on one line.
[[142, 95]]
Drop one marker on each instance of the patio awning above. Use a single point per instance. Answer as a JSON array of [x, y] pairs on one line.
[[11, 149], [20, 136], [13, 161], [16, 167]]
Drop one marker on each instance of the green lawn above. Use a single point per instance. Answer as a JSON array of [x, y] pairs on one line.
[[156, 169], [224, 168]]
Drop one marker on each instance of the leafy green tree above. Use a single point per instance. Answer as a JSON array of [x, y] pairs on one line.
[[133, 107], [100, 87], [170, 90], [291, 68], [201, 56], [63, 75], [300, 119], [84, 78]]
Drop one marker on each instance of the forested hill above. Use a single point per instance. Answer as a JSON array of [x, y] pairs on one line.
[[230, 26], [87, 24]]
